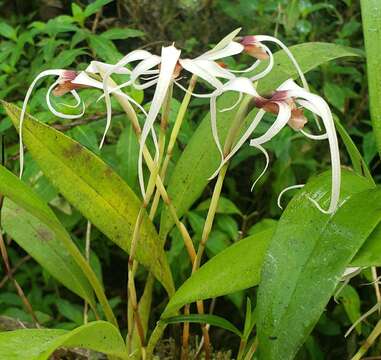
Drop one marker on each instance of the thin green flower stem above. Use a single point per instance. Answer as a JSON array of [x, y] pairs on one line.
[[368, 342], [127, 107], [173, 138], [132, 263], [232, 134], [241, 351]]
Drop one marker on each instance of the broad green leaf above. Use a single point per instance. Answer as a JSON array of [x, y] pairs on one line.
[[39, 344], [120, 33], [204, 319], [95, 190], [33, 225], [371, 20], [236, 268], [191, 173], [306, 259]]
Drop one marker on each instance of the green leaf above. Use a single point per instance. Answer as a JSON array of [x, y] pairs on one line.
[[33, 225], [78, 13], [39, 344], [371, 16], [306, 259], [204, 319], [95, 190], [104, 49], [8, 31], [358, 163], [352, 304], [121, 33], [66, 58], [370, 252], [236, 268], [127, 150], [95, 6], [191, 173], [40, 240]]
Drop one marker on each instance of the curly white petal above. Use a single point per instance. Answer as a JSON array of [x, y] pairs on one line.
[[321, 108], [264, 152], [261, 38], [54, 72], [241, 141], [292, 187], [169, 57], [268, 67], [60, 114], [135, 55], [197, 67], [284, 114]]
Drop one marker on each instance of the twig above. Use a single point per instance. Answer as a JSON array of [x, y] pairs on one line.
[[13, 270]]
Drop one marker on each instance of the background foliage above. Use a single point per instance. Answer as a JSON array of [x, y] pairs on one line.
[[37, 35]]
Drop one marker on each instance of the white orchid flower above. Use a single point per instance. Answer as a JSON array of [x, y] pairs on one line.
[[61, 86], [283, 103]]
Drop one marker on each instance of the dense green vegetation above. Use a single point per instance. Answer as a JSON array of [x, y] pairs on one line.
[[54, 34]]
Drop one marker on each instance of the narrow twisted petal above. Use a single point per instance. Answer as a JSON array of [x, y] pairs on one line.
[[321, 108], [261, 38], [241, 85], [169, 58], [292, 187], [60, 114], [233, 48], [54, 72], [197, 67], [132, 56], [280, 122], [226, 41], [268, 68], [264, 152], [241, 141]]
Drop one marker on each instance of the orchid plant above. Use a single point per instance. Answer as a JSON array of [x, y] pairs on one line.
[[131, 223]]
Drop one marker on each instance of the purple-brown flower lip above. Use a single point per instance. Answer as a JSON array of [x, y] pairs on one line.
[[65, 83], [297, 119]]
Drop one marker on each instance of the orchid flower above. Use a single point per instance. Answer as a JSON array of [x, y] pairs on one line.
[[284, 103], [60, 87]]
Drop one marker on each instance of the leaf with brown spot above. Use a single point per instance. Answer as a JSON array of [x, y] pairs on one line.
[[95, 190]]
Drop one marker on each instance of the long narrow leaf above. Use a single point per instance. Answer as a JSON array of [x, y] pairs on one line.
[[94, 189]]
